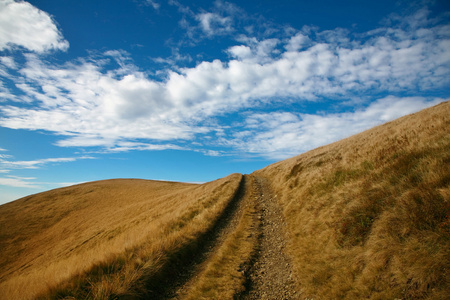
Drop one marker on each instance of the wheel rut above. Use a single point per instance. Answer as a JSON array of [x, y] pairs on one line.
[[268, 274], [209, 245]]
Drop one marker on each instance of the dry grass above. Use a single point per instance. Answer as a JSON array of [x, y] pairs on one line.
[[368, 217], [223, 276], [104, 239]]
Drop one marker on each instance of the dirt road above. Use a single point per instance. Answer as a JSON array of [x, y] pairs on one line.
[[269, 274]]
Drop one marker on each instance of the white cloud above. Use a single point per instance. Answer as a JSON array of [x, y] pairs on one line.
[[255, 51], [280, 135], [135, 146], [26, 182], [220, 20], [214, 24], [6, 163], [17, 181], [297, 42], [94, 105], [153, 3], [240, 52], [22, 24], [8, 61], [212, 152]]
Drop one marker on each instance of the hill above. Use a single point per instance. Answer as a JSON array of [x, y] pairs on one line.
[[368, 216], [365, 217], [82, 233]]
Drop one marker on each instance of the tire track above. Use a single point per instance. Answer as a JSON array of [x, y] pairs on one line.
[[268, 274], [244, 211], [208, 244]]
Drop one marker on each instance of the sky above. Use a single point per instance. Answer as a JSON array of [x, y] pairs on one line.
[[193, 91]]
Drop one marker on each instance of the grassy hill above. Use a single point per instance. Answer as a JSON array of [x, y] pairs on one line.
[[103, 238], [365, 217], [368, 216]]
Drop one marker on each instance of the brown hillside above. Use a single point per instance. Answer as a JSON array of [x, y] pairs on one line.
[[49, 238], [368, 216], [364, 218]]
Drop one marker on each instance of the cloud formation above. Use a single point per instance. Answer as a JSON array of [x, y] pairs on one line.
[[6, 163], [17, 181], [279, 135], [121, 108], [213, 24], [153, 4], [22, 24]]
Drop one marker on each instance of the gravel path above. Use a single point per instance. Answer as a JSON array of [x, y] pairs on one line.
[[270, 276]]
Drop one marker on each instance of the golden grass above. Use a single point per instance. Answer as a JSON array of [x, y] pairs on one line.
[[223, 276], [106, 238], [368, 216]]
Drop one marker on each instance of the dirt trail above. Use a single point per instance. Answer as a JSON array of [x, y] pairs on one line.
[[227, 222], [270, 276]]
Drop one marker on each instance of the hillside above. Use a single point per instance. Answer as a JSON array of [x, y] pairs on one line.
[[94, 229], [365, 217], [368, 216]]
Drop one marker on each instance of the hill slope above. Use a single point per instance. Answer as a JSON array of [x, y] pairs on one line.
[[366, 217], [80, 234]]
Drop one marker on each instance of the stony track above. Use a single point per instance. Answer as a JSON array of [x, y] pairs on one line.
[[269, 273]]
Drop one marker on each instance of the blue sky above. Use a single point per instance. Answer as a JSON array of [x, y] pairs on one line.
[[195, 90]]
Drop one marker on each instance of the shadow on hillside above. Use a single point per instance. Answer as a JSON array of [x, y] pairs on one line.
[[181, 265]]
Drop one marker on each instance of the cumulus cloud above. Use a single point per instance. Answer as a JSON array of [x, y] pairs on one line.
[[255, 51], [241, 52], [297, 42], [22, 24], [93, 104]]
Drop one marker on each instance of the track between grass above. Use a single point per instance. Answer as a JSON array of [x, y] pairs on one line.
[[264, 271], [270, 275], [176, 286]]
